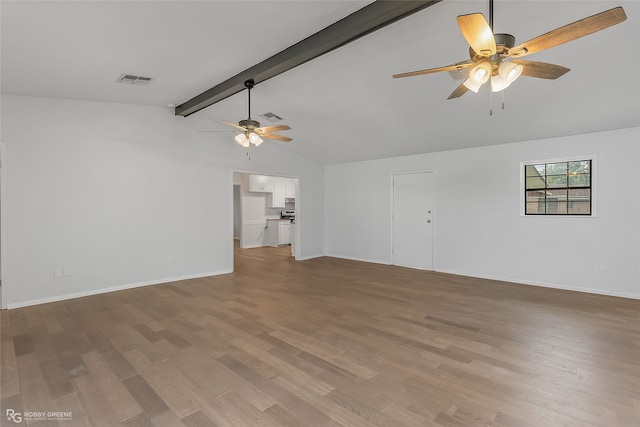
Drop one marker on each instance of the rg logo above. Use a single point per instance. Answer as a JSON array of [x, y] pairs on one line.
[[14, 416]]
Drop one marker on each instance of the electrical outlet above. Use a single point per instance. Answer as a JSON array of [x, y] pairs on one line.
[[57, 272], [603, 267], [67, 271], [172, 258]]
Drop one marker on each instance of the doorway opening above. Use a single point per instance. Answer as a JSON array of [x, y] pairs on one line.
[[264, 212]]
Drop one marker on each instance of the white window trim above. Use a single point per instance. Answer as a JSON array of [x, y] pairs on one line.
[[594, 184]]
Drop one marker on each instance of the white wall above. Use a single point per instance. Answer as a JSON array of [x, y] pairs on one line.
[[115, 192], [478, 229]]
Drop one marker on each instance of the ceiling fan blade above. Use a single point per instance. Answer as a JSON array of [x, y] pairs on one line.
[[276, 137], [541, 70], [458, 92], [232, 125], [570, 32], [275, 128], [477, 32], [453, 67]]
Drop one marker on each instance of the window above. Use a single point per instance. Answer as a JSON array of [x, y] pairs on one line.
[[559, 188]]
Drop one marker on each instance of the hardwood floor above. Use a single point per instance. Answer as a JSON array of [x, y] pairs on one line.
[[325, 342]]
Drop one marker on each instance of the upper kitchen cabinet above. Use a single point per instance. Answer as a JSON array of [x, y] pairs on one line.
[[277, 197], [281, 192], [259, 184], [290, 190]]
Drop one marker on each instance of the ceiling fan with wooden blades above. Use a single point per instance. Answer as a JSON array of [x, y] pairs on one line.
[[495, 57], [249, 131]]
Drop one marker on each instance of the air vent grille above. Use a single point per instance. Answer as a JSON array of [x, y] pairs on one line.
[[130, 79], [273, 118]]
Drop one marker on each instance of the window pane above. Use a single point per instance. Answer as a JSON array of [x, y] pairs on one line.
[[580, 180], [534, 170], [557, 168], [583, 166], [556, 202], [580, 201], [534, 182], [535, 203], [555, 181]]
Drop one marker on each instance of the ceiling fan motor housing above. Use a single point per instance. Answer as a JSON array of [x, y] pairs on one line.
[[504, 42], [249, 124]]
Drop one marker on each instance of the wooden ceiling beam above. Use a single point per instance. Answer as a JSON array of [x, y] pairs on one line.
[[364, 21]]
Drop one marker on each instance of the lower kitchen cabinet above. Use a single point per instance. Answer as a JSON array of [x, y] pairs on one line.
[[278, 232]]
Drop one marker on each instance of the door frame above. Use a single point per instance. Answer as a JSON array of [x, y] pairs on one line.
[[298, 233], [3, 223], [435, 217]]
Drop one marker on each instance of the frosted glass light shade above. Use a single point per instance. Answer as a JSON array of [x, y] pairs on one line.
[[498, 83], [472, 86], [241, 139], [508, 72], [480, 73], [255, 139]]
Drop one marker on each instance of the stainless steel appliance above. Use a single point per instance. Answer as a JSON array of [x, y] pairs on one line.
[[288, 213]]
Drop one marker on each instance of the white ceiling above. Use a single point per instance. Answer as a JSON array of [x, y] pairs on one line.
[[343, 106]]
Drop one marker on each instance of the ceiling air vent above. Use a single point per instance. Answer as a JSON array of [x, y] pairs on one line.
[[271, 117], [130, 79]]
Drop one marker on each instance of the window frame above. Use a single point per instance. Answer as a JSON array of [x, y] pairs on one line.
[[522, 189]]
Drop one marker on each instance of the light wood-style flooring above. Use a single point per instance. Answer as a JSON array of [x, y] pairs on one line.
[[326, 342]]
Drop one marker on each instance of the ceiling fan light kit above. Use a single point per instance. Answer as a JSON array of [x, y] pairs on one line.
[[495, 57]]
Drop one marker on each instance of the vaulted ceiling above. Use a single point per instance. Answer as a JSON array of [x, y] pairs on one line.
[[343, 106]]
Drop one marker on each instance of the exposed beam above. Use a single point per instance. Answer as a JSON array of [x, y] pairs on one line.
[[360, 23]]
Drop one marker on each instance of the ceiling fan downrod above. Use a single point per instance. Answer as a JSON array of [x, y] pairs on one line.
[[249, 84], [491, 15]]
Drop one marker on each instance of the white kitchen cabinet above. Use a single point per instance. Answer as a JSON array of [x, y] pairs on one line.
[[285, 232], [290, 190], [278, 232], [277, 197], [259, 184]]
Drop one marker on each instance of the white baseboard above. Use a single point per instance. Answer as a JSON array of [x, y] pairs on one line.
[[310, 257], [509, 279], [373, 261], [542, 284], [113, 289]]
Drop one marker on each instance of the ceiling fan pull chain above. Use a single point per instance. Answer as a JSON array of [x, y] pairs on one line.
[[490, 102], [503, 98]]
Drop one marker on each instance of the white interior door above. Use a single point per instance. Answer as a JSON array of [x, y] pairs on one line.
[[413, 220]]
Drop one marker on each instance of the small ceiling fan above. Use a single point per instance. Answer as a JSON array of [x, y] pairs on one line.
[[494, 56], [249, 130]]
